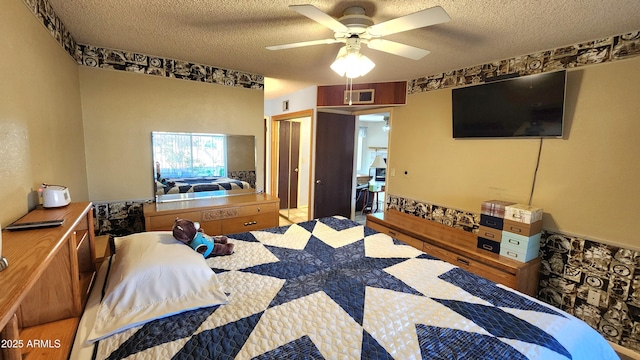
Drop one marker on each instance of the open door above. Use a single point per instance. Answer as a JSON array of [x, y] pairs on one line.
[[334, 164], [290, 163], [288, 168]]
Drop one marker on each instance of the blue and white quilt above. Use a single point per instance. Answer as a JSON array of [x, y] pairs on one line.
[[333, 289]]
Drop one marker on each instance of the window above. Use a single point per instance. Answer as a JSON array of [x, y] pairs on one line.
[[185, 155]]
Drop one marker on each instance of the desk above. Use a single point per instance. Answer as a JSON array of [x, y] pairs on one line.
[[370, 192], [46, 286]]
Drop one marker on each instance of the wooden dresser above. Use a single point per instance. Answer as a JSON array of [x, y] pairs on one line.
[[457, 247], [45, 287], [218, 215]]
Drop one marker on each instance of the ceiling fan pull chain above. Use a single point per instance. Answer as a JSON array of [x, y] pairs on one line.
[[350, 80]]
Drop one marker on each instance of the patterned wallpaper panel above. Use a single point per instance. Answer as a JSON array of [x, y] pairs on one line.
[[118, 218], [458, 219], [573, 268]]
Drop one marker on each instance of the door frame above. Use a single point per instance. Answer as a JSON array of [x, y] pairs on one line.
[[273, 166]]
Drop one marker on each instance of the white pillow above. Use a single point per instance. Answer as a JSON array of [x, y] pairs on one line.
[[152, 276]]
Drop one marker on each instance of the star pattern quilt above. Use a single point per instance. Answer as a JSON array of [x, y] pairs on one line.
[[334, 289]]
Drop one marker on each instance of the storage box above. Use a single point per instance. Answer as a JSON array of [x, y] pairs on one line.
[[491, 221], [494, 207], [523, 213], [518, 247], [488, 245], [522, 228], [490, 233]]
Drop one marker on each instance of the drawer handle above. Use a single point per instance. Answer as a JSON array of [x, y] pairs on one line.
[[463, 261], [250, 223], [514, 241], [513, 254], [489, 235], [392, 233], [492, 223], [258, 208], [487, 247], [515, 229]]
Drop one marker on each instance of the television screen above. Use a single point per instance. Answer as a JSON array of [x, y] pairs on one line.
[[528, 106]]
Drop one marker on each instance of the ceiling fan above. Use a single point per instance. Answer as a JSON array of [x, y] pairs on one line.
[[355, 28]]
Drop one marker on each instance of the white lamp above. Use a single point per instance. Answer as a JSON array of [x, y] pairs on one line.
[[350, 62], [378, 163]]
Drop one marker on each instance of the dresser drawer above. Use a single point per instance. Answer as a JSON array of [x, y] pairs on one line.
[[165, 222], [520, 228], [257, 209], [211, 228], [416, 243], [473, 266], [249, 223]]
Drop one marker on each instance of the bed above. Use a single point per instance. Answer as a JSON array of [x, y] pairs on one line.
[[199, 184], [331, 288]]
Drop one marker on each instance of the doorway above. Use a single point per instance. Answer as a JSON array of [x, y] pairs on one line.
[[371, 162], [291, 137]]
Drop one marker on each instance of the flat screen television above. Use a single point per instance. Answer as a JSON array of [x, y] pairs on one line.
[[527, 106]]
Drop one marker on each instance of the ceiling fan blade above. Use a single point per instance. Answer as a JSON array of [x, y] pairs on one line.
[[317, 15], [397, 48], [304, 43], [427, 17]]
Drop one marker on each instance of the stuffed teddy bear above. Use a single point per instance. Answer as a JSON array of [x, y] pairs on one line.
[[189, 232]]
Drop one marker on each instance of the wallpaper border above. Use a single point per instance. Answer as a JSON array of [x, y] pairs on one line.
[[599, 51]]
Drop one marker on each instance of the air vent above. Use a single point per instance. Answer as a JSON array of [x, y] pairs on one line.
[[364, 96]]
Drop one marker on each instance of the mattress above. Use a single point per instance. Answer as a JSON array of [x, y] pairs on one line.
[[331, 288], [190, 185]]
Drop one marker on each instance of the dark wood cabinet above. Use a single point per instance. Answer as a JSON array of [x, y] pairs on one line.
[[389, 93]]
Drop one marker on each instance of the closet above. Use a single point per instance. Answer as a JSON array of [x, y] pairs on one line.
[[288, 167]]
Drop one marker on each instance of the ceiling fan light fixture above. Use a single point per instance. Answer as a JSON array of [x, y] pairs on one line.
[[351, 63]]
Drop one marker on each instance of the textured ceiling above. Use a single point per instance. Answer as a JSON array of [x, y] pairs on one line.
[[233, 34]]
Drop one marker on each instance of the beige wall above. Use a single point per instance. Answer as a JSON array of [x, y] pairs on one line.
[[41, 138], [587, 182], [121, 109]]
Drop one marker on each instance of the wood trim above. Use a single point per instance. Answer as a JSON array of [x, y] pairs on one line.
[[275, 121], [11, 331]]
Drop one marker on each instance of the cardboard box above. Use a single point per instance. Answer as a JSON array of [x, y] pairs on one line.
[[494, 207], [523, 213], [518, 247], [522, 228], [490, 233], [489, 245], [491, 221]]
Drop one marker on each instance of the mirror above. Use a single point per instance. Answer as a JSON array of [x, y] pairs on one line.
[[197, 165]]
